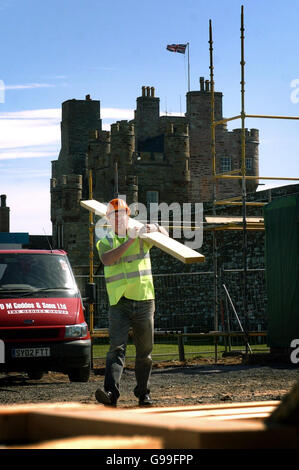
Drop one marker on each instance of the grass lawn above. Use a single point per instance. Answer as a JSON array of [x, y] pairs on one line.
[[168, 351]]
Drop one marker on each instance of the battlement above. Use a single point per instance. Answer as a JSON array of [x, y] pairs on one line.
[[67, 182], [122, 127], [177, 129], [87, 98], [102, 136], [69, 106], [249, 133], [199, 105]]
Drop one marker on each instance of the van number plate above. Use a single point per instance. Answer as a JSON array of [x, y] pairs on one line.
[[30, 352]]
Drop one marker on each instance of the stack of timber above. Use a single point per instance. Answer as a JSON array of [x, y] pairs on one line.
[[225, 426]]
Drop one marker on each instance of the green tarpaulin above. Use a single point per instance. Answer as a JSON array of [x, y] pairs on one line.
[[281, 252]]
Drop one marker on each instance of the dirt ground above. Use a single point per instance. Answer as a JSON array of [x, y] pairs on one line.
[[172, 384]]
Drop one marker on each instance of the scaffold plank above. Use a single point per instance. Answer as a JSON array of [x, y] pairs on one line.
[[167, 244]]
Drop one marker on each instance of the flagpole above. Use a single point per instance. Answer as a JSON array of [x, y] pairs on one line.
[[188, 68]]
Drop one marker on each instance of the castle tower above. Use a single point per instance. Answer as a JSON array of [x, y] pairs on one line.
[[69, 220], [66, 193], [79, 117], [251, 155], [99, 149], [122, 151], [177, 153], [198, 115], [228, 148], [99, 162], [147, 114], [69, 182]]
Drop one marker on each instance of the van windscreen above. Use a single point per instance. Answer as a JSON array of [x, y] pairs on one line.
[[32, 272]]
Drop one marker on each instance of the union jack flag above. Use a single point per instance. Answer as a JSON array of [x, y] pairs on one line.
[[181, 48]]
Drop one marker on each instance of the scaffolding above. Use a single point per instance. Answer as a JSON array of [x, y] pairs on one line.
[[236, 174]]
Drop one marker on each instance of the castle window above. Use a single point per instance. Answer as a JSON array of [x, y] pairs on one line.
[[226, 164], [248, 161]]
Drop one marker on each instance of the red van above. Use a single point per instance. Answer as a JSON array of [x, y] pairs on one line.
[[42, 322]]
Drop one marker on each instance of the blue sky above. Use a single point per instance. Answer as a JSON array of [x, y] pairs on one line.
[[52, 51]]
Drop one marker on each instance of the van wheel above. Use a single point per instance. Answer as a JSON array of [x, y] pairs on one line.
[[35, 374], [81, 374]]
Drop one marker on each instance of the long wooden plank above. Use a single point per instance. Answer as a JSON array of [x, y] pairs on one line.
[[244, 428], [167, 244], [207, 410], [95, 442]]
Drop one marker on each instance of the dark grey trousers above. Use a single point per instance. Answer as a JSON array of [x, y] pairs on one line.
[[140, 316]]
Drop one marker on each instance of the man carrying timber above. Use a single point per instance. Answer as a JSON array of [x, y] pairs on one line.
[[129, 284]]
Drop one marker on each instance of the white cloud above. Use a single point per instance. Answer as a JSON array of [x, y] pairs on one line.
[[29, 133], [29, 152], [48, 113], [28, 86]]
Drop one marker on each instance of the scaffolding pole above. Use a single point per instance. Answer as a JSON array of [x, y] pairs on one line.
[[213, 151], [91, 240], [243, 168]]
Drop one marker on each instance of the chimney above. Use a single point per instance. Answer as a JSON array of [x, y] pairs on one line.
[[202, 83], [207, 85], [87, 97], [153, 92], [4, 215]]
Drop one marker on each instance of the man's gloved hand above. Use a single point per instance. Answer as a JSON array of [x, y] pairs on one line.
[[147, 228], [133, 232]]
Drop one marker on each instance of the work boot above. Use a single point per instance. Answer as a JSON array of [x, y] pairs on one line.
[[106, 398], [145, 400]]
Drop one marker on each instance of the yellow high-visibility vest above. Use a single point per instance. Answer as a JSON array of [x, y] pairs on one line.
[[131, 275]]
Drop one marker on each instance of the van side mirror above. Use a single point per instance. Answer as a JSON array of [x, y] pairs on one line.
[[90, 293]]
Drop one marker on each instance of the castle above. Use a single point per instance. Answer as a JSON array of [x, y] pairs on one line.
[[152, 158]]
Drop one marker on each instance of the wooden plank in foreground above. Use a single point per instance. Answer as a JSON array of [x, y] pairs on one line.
[[167, 244], [96, 442], [244, 428]]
